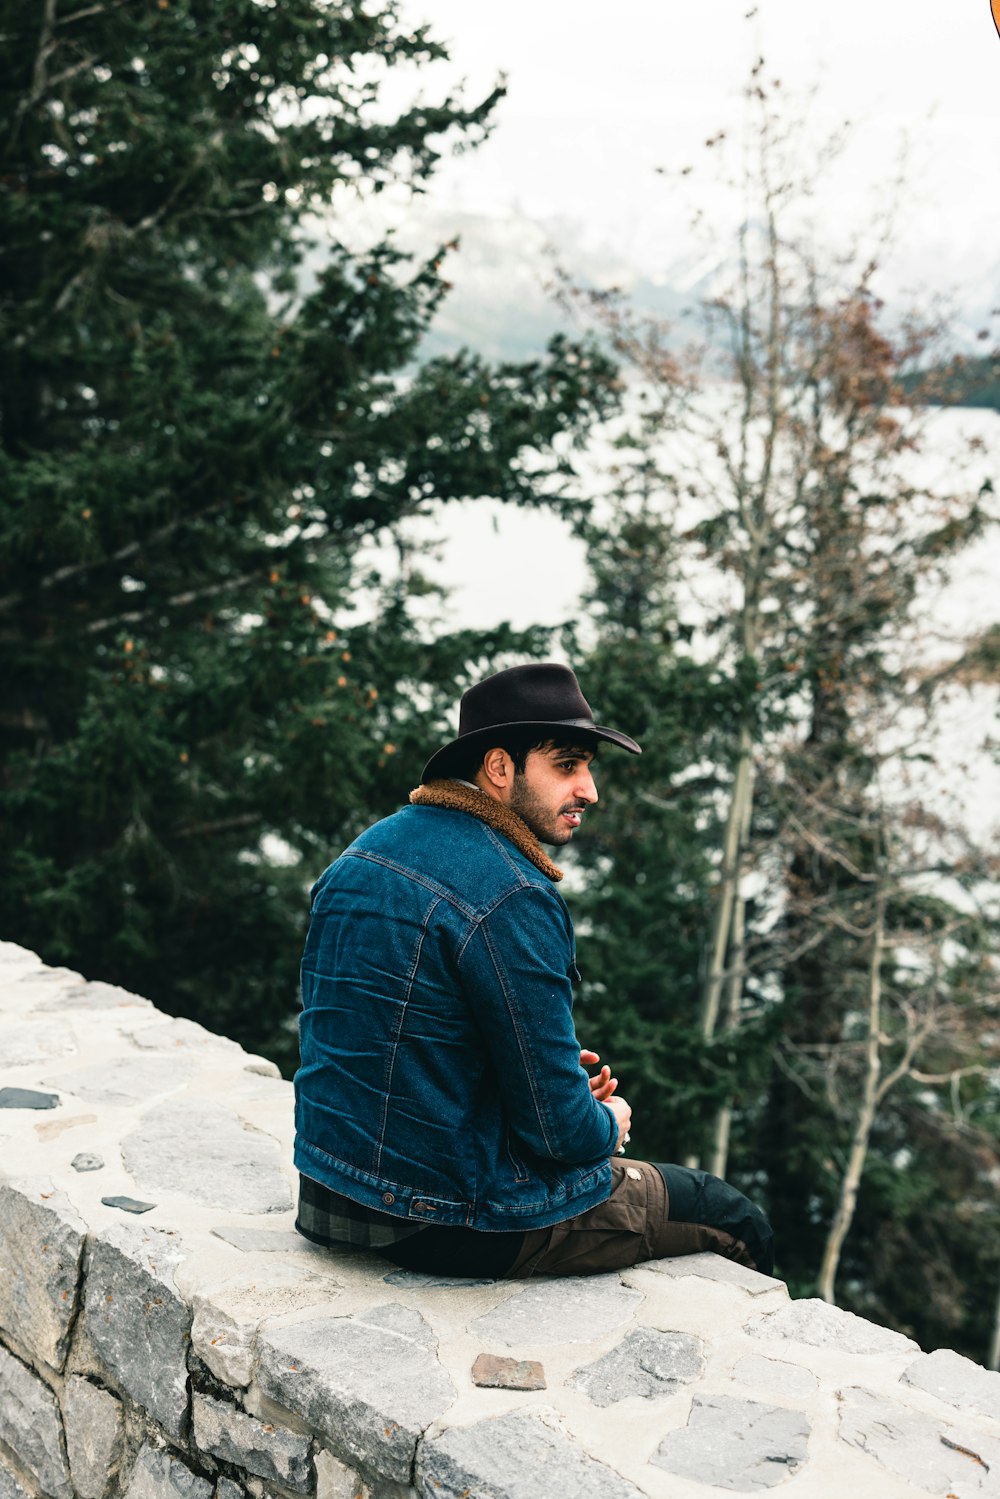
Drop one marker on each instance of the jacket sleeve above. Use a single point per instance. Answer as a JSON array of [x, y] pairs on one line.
[[515, 970]]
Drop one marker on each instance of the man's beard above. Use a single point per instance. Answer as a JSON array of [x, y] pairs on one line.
[[541, 819]]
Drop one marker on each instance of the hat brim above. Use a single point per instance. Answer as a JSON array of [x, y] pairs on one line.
[[445, 761]]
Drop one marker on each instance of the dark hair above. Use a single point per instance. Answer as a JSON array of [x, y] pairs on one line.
[[519, 744]]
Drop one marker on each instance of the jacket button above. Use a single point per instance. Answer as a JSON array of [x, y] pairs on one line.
[[388, 1198]]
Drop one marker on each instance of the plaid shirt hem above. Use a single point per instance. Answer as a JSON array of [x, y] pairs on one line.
[[326, 1217]]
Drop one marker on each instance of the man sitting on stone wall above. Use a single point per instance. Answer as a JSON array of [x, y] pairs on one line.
[[443, 1112]]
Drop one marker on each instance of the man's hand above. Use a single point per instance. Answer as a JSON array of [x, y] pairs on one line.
[[623, 1114], [603, 1084]]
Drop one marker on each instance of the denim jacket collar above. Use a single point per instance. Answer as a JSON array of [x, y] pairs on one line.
[[461, 796]]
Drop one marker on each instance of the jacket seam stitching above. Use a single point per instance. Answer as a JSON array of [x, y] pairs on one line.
[[418, 879], [518, 1028], [390, 1066], [476, 918]]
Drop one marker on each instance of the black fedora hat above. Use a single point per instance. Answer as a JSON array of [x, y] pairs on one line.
[[541, 696]]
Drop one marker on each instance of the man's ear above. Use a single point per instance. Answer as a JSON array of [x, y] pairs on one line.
[[498, 770]]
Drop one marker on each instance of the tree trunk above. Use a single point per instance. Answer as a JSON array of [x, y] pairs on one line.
[[736, 964], [844, 1215], [737, 818]]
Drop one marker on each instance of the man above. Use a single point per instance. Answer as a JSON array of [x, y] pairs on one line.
[[443, 1112]]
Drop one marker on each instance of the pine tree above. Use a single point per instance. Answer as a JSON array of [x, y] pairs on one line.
[[208, 688]]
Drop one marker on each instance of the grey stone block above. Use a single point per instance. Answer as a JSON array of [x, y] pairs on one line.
[[159, 1475], [87, 1160], [11, 1486], [823, 1326], [576, 1310], [125, 1081], [209, 1155], [227, 1316], [27, 1098], [41, 1249], [957, 1380], [369, 1385], [419, 1280], [935, 1457], [513, 1457], [93, 1420], [225, 1488], [31, 1427], [129, 1205], [645, 1363], [137, 1322], [335, 1480], [259, 1446], [735, 1444]]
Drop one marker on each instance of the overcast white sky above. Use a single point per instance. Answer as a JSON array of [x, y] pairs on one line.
[[599, 96]]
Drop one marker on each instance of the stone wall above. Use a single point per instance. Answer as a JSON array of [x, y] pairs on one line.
[[164, 1333]]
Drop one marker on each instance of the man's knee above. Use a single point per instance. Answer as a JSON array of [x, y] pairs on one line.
[[698, 1197]]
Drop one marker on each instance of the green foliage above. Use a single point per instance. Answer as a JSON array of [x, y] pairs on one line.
[[209, 686]]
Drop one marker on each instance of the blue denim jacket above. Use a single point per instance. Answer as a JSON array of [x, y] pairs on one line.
[[440, 1077]]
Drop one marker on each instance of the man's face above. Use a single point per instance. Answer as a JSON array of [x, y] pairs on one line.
[[553, 791]]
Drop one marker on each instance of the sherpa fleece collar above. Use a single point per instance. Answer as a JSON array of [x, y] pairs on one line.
[[460, 798]]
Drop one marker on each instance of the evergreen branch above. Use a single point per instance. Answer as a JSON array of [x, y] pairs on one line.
[[73, 570], [219, 825], [176, 601]]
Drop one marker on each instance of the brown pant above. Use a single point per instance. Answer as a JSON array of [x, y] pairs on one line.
[[630, 1226]]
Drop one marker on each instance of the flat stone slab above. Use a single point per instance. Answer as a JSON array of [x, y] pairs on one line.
[[95, 996], [126, 1081], [261, 1447], [180, 1035], [492, 1371], [419, 1280], [227, 1317], [646, 1363], [51, 1129], [716, 1267], [575, 1310], [823, 1326], [370, 1384], [771, 1376], [27, 1098], [934, 1456], [137, 1322], [159, 1475], [735, 1444], [27, 1042], [31, 1427], [262, 1240], [515, 1456], [128, 1204], [208, 1154], [958, 1381], [93, 1420], [41, 1253]]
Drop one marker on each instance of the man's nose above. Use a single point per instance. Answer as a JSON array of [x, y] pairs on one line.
[[586, 789]]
